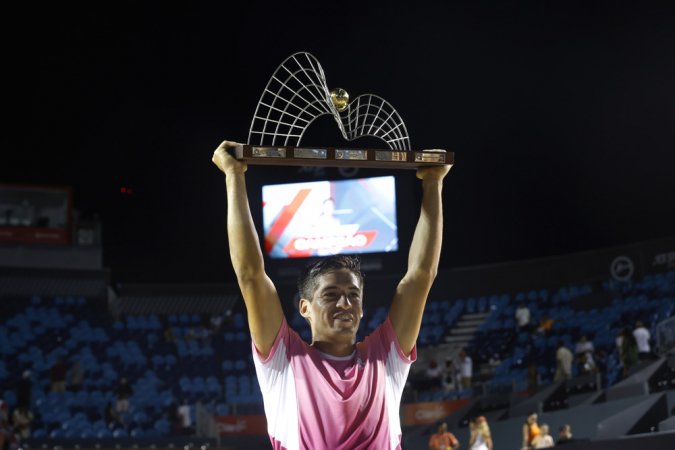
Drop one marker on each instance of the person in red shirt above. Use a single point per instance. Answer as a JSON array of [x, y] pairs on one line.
[[443, 440]]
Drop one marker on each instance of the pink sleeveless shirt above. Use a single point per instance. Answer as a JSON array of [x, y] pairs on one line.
[[315, 401]]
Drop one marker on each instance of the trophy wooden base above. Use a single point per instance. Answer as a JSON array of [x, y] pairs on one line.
[[340, 157]]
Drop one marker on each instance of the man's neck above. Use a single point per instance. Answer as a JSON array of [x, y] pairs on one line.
[[339, 349]]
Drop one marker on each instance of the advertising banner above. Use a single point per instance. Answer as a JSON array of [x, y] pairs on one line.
[[242, 425], [420, 413]]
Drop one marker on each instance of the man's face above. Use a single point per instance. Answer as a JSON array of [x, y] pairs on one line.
[[442, 428], [336, 309]]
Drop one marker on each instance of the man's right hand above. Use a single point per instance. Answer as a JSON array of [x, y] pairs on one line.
[[226, 162]]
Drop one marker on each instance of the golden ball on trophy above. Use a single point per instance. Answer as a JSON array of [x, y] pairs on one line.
[[340, 99]]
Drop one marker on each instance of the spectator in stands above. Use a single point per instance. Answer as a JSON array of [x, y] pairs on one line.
[[530, 430], [24, 390], [434, 374], [532, 375], [58, 377], [586, 364], [76, 376], [123, 393], [565, 435], [22, 417], [184, 412], [175, 420], [544, 440], [545, 324], [601, 362], [465, 370], [112, 417], [481, 438], [629, 351], [190, 335], [583, 346], [523, 317], [168, 335], [448, 379], [564, 358], [642, 338], [443, 440], [216, 322]]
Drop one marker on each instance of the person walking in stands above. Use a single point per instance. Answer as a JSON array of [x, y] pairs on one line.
[[642, 338], [58, 377], [480, 439], [530, 430], [545, 324], [583, 346], [443, 440], [112, 417], [629, 351], [465, 370], [76, 376], [336, 392], [22, 418], [523, 316], [544, 440], [564, 358], [186, 418], [123, 393], [565, 435]]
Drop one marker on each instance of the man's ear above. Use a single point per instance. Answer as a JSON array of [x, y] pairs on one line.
[[304, 308]]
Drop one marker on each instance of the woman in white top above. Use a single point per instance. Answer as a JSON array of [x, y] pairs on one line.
[[480, 434], [544, 440]]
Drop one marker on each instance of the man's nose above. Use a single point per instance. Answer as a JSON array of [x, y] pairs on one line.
[[344, 302]]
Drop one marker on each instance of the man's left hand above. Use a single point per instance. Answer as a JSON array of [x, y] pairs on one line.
[[433, 172]]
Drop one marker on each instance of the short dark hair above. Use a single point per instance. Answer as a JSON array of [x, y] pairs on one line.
[[308, 277]]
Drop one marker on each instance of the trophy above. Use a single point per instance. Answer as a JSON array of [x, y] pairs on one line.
[[296, 95]]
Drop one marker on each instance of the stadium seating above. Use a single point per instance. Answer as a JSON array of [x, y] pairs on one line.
[[220, 373]]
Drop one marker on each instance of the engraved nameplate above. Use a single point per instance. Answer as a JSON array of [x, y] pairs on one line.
[[309, 153], [436, 157], [361, 155], [390, 156], [268, 152]]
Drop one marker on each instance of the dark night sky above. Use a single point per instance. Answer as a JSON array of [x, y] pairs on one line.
[[561, 116]]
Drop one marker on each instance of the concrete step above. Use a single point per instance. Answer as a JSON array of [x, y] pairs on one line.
[[482, 316], [464, 331], [469, 323], [457, 340]]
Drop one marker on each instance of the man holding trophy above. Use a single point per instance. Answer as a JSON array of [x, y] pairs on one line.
[[335, 393]]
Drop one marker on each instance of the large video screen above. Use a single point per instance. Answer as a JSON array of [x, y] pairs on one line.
[[329, 217]]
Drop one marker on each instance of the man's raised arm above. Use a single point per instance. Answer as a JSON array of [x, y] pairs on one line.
[[262, 301], [411, 295]]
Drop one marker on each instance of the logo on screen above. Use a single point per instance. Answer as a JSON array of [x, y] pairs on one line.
[[330, 217]]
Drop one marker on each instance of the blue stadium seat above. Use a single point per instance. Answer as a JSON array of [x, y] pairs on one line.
[[238, 321], [482, 304], [471, 305], [120, 433], [222, 410], [228, 366]]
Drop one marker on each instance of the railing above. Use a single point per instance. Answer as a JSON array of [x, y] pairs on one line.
[[206, 426]]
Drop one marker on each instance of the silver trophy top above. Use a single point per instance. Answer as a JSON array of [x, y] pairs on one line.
[[298, 93]]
